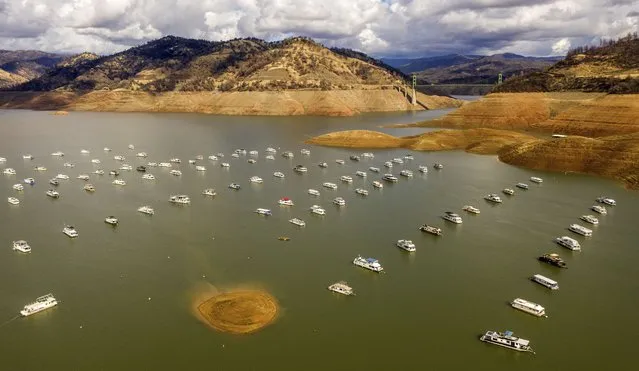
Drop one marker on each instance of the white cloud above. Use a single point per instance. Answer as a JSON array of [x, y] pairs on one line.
[[561, 47], [381, 27]]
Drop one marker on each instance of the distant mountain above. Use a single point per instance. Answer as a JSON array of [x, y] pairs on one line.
[[18, 66], [470, 69], [612, 67], [179, 64], [420, 64], [8, 79]]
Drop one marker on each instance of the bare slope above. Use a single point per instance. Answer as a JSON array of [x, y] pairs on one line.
[[287, 102], [586, 114]]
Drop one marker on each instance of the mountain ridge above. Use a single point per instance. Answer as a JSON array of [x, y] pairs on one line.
[[180, 64], [611, 67], [470, 69], [19, 66]]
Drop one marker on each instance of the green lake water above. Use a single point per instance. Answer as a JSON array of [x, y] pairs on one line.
[[127, 292]]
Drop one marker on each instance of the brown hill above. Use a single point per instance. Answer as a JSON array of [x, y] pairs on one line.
[[178, 64], [294, 76], [586, 114], [612, 67]]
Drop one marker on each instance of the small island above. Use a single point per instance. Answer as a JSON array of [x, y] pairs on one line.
[[239, 312]]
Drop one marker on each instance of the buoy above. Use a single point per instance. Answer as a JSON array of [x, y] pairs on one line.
[[80, 326], [149, 298]]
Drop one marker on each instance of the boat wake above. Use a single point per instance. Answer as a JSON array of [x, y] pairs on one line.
[[9, 321]]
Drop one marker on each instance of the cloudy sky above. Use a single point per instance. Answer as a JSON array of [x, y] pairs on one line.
[[382, 28]]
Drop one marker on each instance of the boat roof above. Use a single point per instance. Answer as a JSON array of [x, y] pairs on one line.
[[529, 304], [539, 276], [371, 260]]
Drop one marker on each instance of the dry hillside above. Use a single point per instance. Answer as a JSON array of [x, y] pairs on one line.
[[19, 66], [279, 103], [8, 79], [243, 76], [178, 64], [586, 114], [612, 67]]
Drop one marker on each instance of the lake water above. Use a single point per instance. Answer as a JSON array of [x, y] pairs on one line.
[[127, 292]]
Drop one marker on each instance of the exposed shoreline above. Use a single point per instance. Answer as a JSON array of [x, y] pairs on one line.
[[265, 103], [615, 157], [572, 113]]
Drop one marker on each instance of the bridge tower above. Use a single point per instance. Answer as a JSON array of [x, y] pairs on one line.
[[414, 95], [500, 79]]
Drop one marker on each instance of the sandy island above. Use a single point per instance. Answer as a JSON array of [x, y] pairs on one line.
[[239, 312]]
